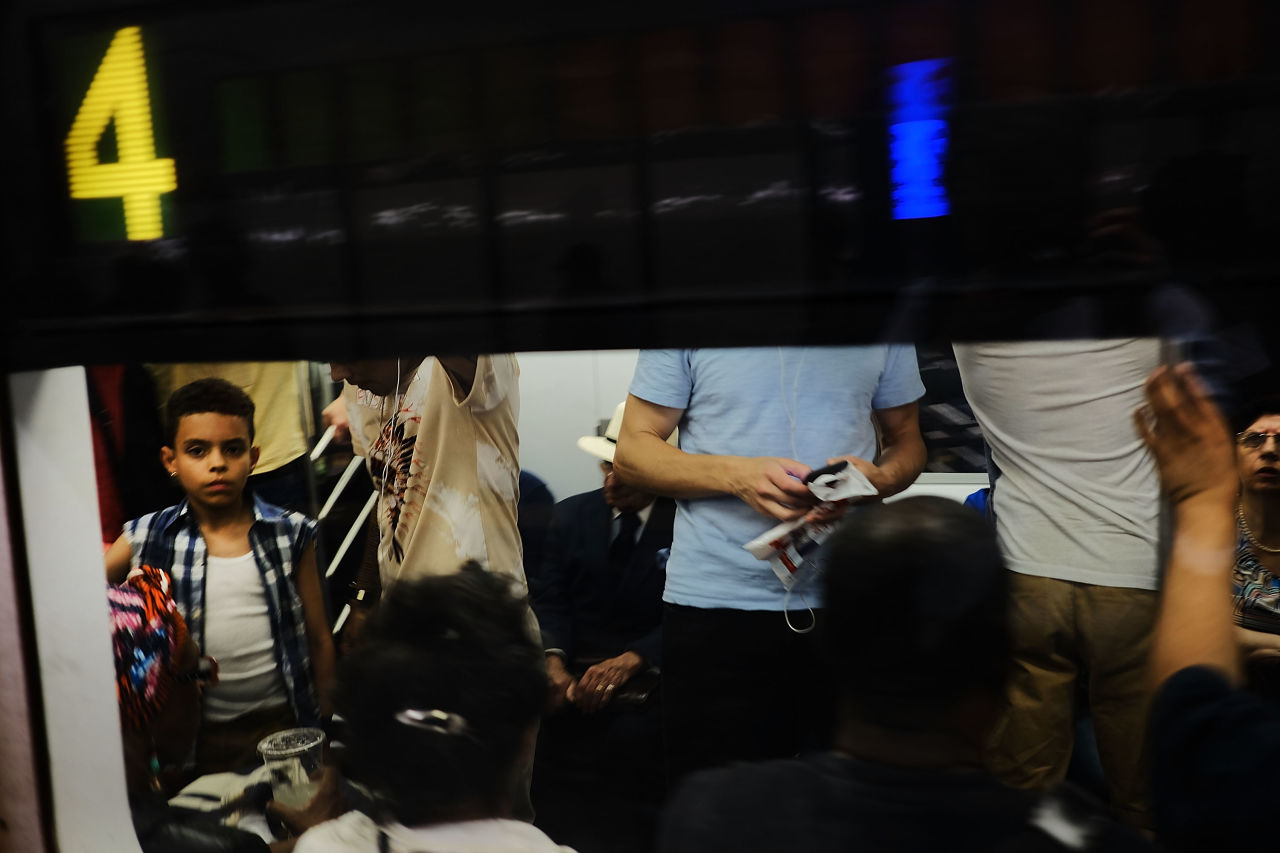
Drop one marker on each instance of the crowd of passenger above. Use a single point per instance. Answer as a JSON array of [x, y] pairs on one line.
[[899, 672]]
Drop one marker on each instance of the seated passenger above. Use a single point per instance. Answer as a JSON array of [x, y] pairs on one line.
[[917, 640], [598, 774], [1256, 580], [599, 594], [1214, 747], [440, 710], [244, 577]]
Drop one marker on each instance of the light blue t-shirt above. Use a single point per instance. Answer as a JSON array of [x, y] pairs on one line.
[[803, 403]]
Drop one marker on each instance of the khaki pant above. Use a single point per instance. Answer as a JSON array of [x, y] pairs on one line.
[[1064, 632]]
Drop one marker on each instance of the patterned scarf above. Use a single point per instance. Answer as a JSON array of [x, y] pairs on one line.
[[147, 636]]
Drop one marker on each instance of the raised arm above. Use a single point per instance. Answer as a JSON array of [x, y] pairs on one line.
[[462, 369], [1192, 448], [770, 485]]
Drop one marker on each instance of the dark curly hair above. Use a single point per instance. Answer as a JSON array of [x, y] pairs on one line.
[[207, 395], [438, 699]]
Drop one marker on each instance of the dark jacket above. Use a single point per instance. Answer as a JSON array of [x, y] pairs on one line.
[[585, 608]]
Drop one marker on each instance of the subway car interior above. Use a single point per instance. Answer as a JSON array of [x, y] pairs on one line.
[[1000, 199]]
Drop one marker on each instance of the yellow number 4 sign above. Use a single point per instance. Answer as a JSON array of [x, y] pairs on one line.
[[119, 92]]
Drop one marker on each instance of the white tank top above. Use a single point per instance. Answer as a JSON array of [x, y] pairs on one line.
[[237, 634]]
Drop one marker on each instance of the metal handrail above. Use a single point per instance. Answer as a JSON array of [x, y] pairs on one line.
[[343, 481]]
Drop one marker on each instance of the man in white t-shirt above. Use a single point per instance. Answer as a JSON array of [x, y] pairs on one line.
[[1076, 502]]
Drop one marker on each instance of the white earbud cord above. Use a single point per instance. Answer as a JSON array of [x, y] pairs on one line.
[[786, 612], [389, 429]]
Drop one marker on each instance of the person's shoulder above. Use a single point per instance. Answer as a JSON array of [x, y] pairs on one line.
[[570, 511], [158, 520], [353, 831], [1209, 742], [271, 513], [533, 488], [1197, 706], [744, 786], [581, 500], [730, 807]]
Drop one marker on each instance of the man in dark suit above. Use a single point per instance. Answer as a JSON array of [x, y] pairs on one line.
[[598, 599]]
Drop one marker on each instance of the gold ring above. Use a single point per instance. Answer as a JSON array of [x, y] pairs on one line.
[[608, 687]]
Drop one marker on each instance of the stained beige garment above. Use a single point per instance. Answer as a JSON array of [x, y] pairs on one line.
[[446, 467]]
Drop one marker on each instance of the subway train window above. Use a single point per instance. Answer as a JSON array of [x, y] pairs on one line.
[[170, 446], [272, 444], [640, 165], [419, 281]]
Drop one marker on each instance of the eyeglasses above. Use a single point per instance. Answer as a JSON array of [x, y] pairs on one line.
[[1254, 440]]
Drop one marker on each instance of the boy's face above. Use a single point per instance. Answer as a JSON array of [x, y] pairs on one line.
[[212, 458]]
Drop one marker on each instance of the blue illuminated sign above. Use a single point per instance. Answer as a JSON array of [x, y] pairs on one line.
[[918, 138]]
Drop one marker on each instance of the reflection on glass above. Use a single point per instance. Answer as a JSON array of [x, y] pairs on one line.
[[918, 138]]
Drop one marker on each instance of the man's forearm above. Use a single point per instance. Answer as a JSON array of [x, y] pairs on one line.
[[900, 465], [650, 463]]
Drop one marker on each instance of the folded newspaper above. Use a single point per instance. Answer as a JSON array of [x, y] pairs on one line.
[[788, 545]]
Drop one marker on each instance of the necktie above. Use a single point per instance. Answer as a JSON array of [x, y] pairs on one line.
[[624, 543]]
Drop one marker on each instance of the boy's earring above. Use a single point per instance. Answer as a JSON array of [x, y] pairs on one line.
[[173, 474]]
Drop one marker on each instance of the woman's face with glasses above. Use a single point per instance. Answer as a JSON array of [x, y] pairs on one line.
[[1258, 454]]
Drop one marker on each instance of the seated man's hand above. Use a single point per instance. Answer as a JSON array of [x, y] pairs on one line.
[[598, 684], [559, 682], [335, 415], [773, 486], [327, 803]]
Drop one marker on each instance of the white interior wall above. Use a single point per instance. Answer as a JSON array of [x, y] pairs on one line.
[[563, 395], [59, 499]]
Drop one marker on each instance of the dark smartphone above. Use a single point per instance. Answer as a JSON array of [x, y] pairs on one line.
[[834, 468]]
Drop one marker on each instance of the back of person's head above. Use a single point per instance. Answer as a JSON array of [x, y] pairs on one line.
[[1244, 415], [916, 621], [201, 396], [440, 697]]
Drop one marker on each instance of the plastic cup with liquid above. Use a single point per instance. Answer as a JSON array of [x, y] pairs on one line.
[[293, 759]]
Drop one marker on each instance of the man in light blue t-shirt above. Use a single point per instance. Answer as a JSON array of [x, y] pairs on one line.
[[740, 678]]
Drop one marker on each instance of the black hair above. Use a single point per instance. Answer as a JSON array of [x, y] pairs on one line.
[[1249, 411], [456, 653], [917, 621], [207, 395]]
